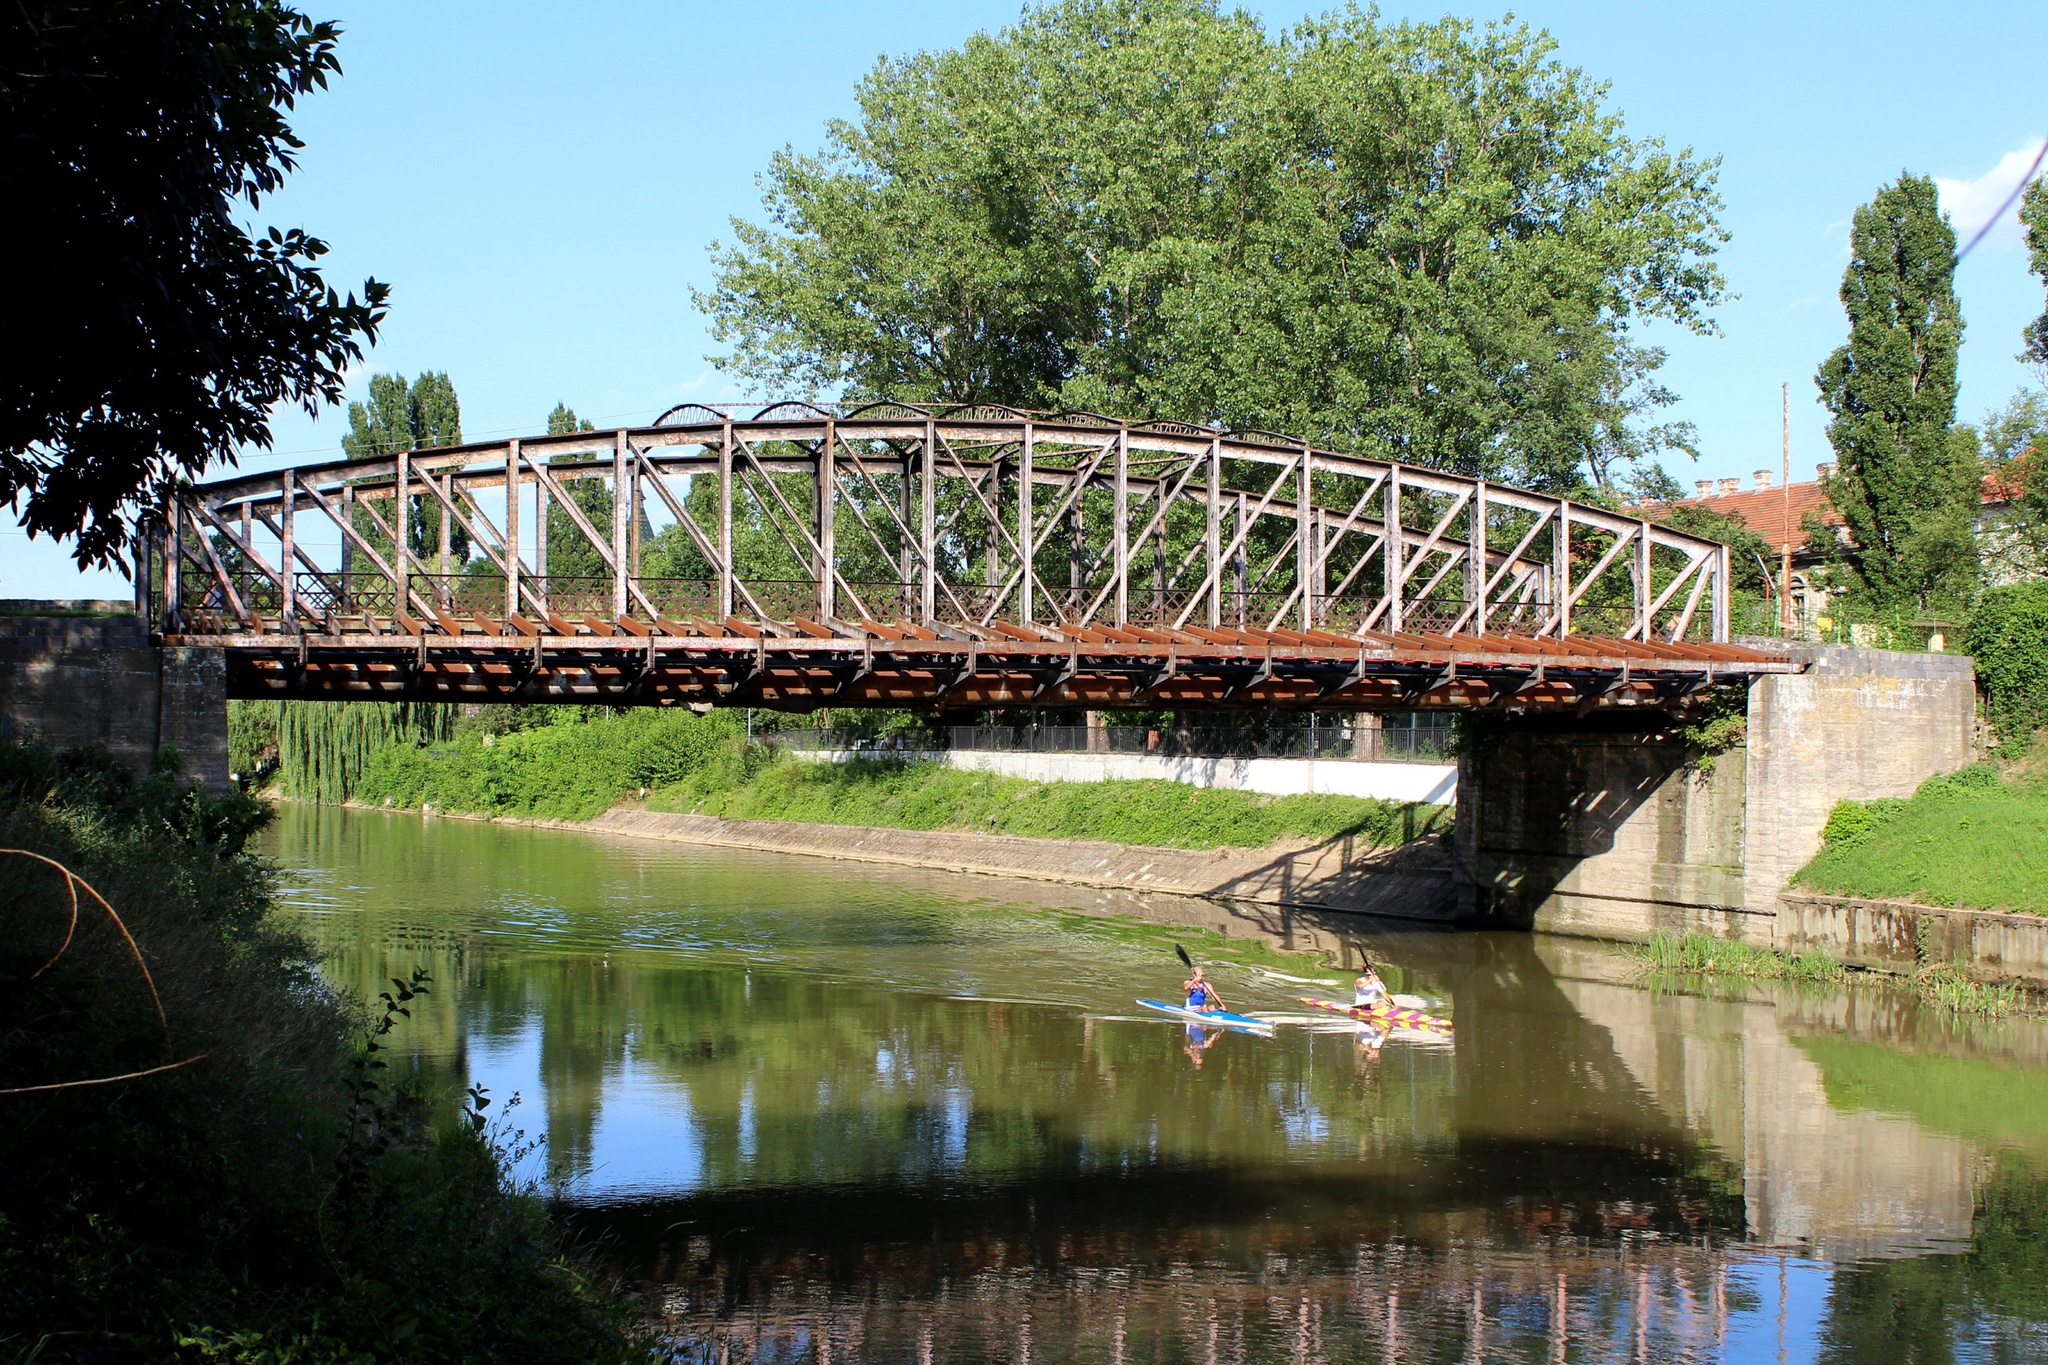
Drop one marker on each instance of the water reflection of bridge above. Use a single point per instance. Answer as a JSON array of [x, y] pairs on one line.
[[967, 557], [1588, 1161]]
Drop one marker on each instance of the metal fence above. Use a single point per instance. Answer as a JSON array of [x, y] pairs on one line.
[[1429, 742]]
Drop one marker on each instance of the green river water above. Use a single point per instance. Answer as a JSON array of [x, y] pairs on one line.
[[835, 1112]]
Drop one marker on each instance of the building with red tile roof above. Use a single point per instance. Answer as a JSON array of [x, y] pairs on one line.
[[1776, 512]]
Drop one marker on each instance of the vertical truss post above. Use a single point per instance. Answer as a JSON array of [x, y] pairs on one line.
[[828, 457], [1396, 552], [1077, 546], [1159, 571], [927, 523], [1120, 531], [541, 518], [512, 527], [348, 517], [1240, 562], [1304, 546], [248, 538], [288, 496], [401, 521], [1476, 552], [1642, 577], [139, 547], [173, 514], [1721, 566], [1212, 532], [443, 537], [1321, 570], [906, 552], [1027, 578], [1561, 572], [621, 512], [639, 501], [725, 518], [992, 535]]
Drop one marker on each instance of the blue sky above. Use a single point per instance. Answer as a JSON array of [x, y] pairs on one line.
[[539, 183]]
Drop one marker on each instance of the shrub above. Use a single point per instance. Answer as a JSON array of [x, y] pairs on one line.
[[2008, 636], [269, 1197]]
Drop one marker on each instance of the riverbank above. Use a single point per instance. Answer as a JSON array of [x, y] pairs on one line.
[[1973, 839], [576, 766], [203, 1154]]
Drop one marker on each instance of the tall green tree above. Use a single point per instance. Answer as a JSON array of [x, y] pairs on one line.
[[570, 553], [1424, 241], [155, 332], [424, 414], [1907, 480], [2034, 215]]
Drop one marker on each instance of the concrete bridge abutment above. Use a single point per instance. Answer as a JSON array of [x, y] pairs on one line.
[[1612, 826], [83, 674]]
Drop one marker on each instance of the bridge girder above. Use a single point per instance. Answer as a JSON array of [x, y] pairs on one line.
[[897, 555]]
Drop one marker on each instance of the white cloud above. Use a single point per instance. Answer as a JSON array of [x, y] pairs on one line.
[[1970, 203]]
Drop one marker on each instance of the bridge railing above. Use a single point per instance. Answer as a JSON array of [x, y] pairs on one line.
[[959, 516]]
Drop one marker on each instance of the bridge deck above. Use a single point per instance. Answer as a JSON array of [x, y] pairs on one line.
[[802, 664]]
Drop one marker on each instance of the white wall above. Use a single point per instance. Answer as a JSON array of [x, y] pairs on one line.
[[1432, 782]]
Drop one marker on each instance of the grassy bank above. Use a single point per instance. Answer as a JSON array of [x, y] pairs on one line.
[[704, 764], [1968, 839], [1938, 983], [209, 1162]]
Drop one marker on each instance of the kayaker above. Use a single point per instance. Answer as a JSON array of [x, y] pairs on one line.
[[1369, 992], [1201, 995]]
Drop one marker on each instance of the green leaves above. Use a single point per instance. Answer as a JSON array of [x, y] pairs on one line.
[[2034, 213], [144, 133], [1907, 485], [1416, 240], [2008, 638]]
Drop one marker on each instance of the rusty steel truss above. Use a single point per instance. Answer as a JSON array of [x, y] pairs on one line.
[[950, 557]]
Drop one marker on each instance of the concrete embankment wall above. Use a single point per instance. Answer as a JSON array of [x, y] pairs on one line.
[[1900, 936], [1622, 831], [78, 679], [1411, 881], [1431, 783]]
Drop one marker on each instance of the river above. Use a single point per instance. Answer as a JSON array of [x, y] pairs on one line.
[[834, 1112]]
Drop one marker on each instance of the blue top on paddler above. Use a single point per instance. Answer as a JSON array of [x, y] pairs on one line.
[[1201, 995]]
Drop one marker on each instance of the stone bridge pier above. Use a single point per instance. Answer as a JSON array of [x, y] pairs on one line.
[[83, 673], [1611, 827]]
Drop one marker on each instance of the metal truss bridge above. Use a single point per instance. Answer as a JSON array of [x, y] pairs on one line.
[[944, 557]]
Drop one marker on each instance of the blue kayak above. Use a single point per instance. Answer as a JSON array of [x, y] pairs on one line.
[[1214, 1019]]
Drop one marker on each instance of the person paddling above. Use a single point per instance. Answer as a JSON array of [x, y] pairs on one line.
[[1201, 995], [1369, 992]]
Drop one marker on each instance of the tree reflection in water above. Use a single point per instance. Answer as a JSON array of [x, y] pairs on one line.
[[835, 1113]]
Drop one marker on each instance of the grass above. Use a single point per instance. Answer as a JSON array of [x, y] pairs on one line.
[[1939, 984], [1967, 839], [275, 1195], [1705, 954], [932, 796], [575, 766]]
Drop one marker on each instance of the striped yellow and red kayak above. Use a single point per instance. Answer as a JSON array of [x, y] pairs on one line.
[[1394, 1016]]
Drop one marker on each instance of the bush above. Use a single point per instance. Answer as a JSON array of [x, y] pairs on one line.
[[270, 1196], [2008, 636], [1967, 838]]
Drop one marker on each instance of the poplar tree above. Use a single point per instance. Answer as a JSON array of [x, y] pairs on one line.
[[570, 555], [1907, 478], [424, 414]]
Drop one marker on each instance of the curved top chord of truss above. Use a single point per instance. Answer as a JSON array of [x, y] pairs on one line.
[[886, 522]]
